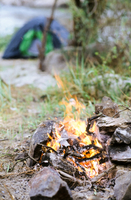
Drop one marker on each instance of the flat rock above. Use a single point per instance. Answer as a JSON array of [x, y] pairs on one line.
[[47, 185], [122, 189], [40, 136], [120, 153], [122, 135], [107, 107], [109, 124]]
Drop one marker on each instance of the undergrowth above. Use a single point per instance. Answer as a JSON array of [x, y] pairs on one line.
[[91, 83]]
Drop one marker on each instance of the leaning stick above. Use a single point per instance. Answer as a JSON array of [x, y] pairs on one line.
[[42, 49]]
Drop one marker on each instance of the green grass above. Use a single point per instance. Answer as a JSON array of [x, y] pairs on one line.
[[5, 94], [4, 41], [90, 83]]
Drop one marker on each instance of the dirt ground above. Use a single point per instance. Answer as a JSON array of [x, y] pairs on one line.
[[17, 124], [13, 142], [13, 186]]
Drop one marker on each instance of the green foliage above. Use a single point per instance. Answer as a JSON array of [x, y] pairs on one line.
[[86, 20], [118, 58]]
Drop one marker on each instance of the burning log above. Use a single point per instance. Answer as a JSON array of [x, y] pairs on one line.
[[40, 137]]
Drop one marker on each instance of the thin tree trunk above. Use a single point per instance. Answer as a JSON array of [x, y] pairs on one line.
[[46, 29]]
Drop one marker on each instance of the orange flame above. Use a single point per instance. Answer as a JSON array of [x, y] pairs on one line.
[[76, 128]]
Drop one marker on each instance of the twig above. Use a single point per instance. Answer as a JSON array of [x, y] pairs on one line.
[[50, 148], [1, 140], [95, 179], [21, 160], [126, 108], [16, 174], [11, 196], [18, 162], [32, 158], [71, 178]]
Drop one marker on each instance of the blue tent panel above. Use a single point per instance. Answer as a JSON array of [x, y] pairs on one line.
[[59, 33]]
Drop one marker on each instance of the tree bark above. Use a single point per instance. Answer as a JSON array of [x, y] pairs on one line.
[[46, 29]]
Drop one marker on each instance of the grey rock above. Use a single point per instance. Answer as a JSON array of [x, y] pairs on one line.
[[109, 124], [47, 185], [122, 135], [40, 136], [120, 153], [122, 189]]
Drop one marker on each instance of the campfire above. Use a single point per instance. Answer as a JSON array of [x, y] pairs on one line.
[[77, 141]]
